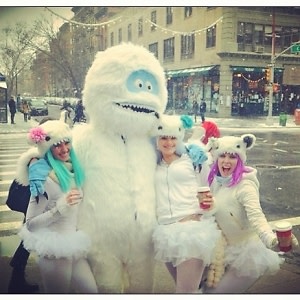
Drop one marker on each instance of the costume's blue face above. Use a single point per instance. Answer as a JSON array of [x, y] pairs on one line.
[[142, 81]]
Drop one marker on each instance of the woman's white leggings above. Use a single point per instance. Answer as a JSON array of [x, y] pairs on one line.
[[60, 275], [232, 283]]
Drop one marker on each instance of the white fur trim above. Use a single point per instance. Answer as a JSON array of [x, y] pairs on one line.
[[56, 131], [232, 144], [22, 165]]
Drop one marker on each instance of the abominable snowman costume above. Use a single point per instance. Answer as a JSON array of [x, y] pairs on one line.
[[124, 93]]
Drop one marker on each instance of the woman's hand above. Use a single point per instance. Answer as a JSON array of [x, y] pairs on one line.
[[74, 197], [206, 200]]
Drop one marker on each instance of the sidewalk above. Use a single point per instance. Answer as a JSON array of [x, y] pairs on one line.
[[19, 127], [232, 122]]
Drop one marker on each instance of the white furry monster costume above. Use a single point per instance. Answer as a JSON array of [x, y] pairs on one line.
[[124, 93]]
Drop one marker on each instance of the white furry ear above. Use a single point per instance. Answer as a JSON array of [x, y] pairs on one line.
[[212, 143], [249, 139]]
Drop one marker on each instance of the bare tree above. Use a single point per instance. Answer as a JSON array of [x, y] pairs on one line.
[[57, 47], [16, 53]]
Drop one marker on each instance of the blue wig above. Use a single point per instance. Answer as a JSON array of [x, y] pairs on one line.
[[63, 174], [237, 174]]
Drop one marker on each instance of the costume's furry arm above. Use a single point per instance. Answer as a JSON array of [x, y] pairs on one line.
[[22, 165]]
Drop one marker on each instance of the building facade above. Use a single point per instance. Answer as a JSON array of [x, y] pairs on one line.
[[219, 54]]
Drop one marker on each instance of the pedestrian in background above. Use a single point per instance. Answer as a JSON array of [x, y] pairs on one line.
[[25, 109], [249, 252], [79, 115], [202, 110], [195, 109], [185, 236], [51, 220], [12, 109]]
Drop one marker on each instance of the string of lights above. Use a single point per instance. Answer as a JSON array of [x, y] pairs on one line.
[[118, 19], [174, 32]]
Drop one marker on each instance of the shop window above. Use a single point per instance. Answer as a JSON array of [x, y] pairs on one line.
[[211, 37], [153, 20], [188, 10], [187, 46], [153, 48], [129, 32], [169, 49], [140, 27], [120, 35], [112, 42], [169, 15]]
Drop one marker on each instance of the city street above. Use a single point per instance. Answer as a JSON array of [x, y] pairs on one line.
[[276, 157]]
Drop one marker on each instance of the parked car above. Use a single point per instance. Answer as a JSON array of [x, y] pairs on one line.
[[38, 107]]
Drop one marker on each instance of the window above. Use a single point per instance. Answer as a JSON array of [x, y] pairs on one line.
[[112, 39], [187, 46], [169, 49], [188, 11], [120, 35], [153, 20], [140, 27], [169, 15], [211, 37], [261, 35], [129, 32], [153, 48]]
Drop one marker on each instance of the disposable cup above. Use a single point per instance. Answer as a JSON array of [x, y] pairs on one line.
[[284, 235], [201, 195]]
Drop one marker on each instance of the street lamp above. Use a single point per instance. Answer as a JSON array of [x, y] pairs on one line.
[[272, 66]]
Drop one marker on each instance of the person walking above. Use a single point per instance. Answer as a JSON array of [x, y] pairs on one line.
[[250, 242], [195, 109], [50, 229], [79, 115], [186, 235], [12, 109], [25, 109], [202, 110]]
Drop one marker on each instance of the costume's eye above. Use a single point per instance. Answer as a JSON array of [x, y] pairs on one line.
[[139, 84], [149, 86]]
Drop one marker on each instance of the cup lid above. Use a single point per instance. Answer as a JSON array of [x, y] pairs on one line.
[[203, 189], [283, 225]]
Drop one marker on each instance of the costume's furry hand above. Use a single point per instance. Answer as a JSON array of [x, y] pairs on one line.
[[38, 172], [197, 154]]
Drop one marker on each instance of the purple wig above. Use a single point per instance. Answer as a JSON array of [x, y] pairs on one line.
[[236, 175]]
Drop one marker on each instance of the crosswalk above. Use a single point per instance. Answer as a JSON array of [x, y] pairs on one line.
[[11, 147]]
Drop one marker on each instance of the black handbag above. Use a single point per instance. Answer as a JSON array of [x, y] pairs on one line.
[[18, 197]]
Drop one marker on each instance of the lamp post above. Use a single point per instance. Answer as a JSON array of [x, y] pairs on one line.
[[272, 66]]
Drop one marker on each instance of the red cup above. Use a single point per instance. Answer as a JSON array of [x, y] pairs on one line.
[[201, 195], [284, 235]]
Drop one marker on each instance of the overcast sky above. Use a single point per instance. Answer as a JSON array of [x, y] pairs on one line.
[[11, 15]]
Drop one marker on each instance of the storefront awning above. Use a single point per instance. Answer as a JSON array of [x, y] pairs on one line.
[[243, 69], [190, 72]]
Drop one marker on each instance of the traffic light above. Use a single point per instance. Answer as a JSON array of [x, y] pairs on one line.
[[268, 74]]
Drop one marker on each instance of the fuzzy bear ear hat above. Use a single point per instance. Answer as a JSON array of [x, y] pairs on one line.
[[174, 126], [48, 134], [232, 144]]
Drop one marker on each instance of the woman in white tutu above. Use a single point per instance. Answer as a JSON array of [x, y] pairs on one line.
[[186, 235], [250, 240], [51, 219]]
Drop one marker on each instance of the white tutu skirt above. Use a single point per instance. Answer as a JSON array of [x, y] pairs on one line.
[[52, 244], [252, 258], [180, 241]]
